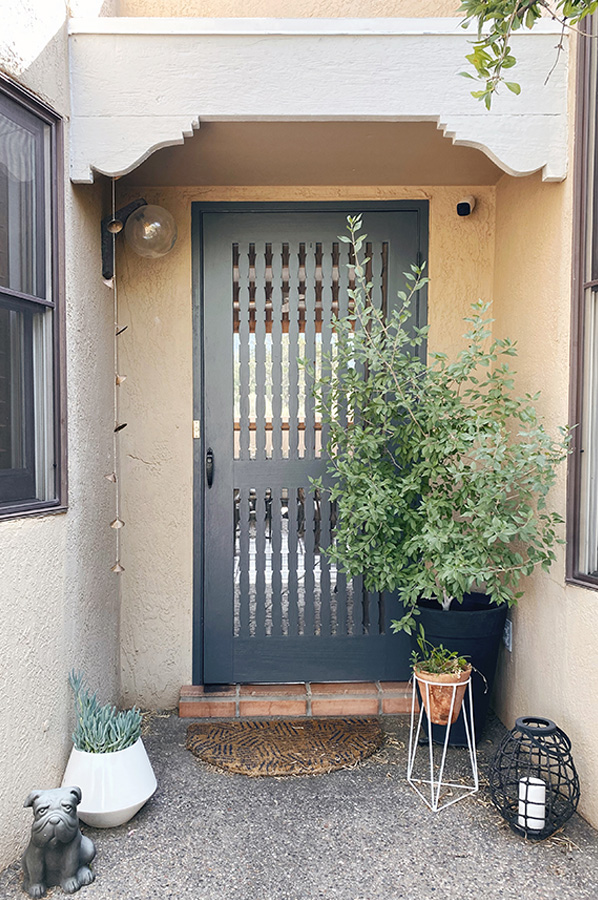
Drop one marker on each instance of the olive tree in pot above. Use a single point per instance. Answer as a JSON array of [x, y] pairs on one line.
[[440, 472]]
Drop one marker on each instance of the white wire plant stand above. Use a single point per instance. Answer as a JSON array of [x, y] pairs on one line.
[[437, 793]]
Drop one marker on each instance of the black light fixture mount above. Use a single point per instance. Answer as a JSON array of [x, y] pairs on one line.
[[112, 225]]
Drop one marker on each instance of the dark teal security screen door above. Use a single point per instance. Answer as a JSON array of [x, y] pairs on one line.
[[269, 605]]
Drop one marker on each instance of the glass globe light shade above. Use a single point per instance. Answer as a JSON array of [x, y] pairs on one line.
[[151, 231]]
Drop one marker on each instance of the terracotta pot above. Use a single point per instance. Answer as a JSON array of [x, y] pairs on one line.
[[436, 692], [474, 629]]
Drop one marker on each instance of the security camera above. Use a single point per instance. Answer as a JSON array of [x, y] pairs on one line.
[[466, 206]]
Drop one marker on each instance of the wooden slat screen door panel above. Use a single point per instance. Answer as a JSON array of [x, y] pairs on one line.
[[274, 608]]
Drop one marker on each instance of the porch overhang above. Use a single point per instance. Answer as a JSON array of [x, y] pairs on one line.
[[144, 83]]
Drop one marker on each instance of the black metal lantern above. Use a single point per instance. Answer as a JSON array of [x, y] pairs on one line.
[[532, 778]]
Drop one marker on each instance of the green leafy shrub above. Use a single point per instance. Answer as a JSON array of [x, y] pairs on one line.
[[497, 20], [101, 729], [440, 471]]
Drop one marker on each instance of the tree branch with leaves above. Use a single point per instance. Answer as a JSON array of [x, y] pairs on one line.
[[497, 21], [440, 471]]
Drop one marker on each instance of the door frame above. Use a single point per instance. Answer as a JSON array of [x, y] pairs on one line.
[[198, 209]]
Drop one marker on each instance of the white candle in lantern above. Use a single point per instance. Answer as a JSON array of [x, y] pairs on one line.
[[532, 804]]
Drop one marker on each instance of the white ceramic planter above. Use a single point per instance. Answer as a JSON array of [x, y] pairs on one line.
[[114, 786]]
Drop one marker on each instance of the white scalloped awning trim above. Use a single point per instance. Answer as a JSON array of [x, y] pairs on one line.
[[141, 84]]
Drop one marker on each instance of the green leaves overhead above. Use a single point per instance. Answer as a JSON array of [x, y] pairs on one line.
[[497, 20], [440, 472]]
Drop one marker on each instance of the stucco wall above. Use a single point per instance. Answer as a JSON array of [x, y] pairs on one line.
[[555, 628], [157, 405], [553, 665], [288, 8], [58, 597]]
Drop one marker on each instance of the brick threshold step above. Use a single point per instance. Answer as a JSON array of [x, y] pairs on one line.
[[243, 701]]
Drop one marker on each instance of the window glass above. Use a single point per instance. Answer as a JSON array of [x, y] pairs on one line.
[[29, 477], [22, 199], [13, 438], [17, 406]]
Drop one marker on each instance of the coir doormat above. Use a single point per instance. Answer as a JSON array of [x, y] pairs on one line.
[[285, 746]]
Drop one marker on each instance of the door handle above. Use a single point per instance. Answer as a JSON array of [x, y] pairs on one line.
[[210, 466]]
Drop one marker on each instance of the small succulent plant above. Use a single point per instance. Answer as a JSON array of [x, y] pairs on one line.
[[101, 729]]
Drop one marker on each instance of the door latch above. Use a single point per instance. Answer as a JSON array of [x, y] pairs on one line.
[[196, 430], [210, 466]]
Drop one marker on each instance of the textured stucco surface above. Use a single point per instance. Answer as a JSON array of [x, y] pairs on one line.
[[156, 465], [287, 8], [393, 72], [552, 667], [316, 153], [155, 298], [57, 594]]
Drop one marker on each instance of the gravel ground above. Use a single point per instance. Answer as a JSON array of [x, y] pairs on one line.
[[356, 834]]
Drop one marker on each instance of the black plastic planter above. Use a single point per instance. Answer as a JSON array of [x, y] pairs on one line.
[[474, 628]]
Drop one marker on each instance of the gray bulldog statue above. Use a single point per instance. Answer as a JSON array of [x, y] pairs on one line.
[[57, 853]]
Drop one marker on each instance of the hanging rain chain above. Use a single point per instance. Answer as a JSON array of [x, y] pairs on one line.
[[114, 227], [151, 232]]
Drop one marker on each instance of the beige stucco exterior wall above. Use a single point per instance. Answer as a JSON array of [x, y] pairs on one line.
[[288, 8], [155, 297], [516, 247], [58, 597], [555, 627]]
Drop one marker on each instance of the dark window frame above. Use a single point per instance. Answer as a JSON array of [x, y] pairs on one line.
[[586, 129], [17, 300]]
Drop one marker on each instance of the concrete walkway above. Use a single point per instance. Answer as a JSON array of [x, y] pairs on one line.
[[359, 834]]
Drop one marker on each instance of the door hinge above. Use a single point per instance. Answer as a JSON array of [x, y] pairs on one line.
[[196, 430]]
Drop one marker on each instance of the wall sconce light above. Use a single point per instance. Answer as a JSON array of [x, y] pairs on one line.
[[149, 230]]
